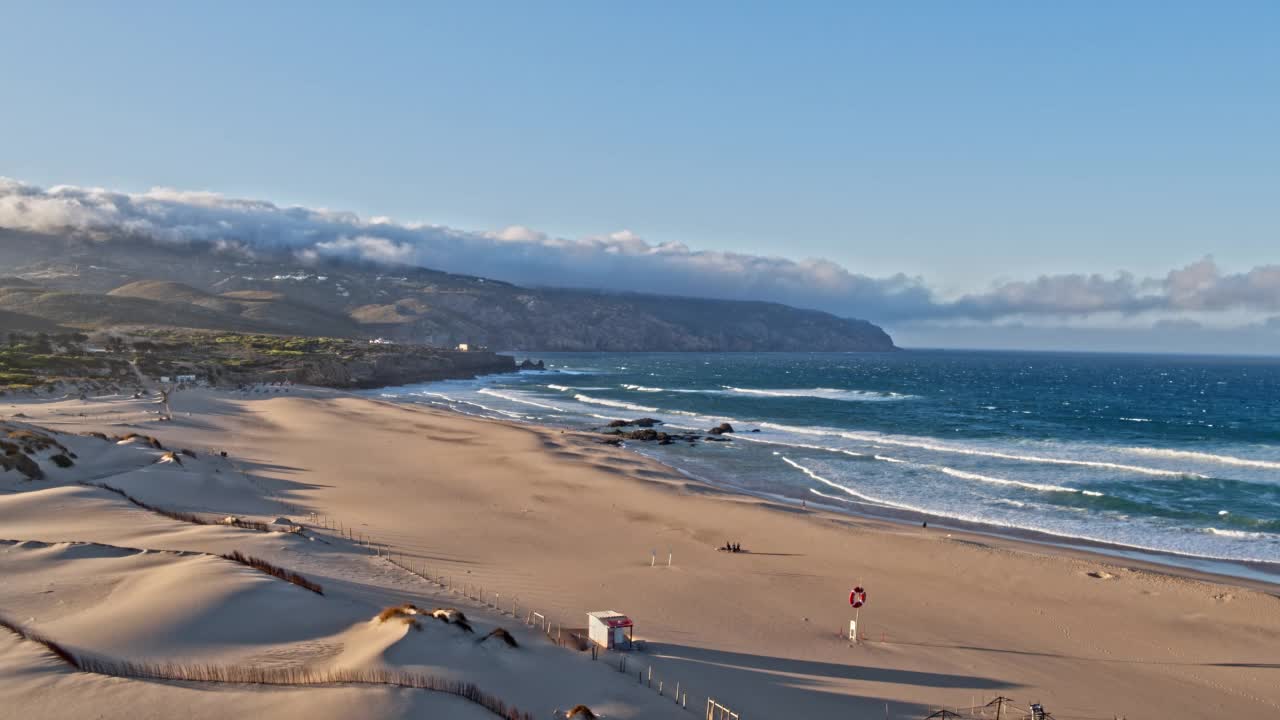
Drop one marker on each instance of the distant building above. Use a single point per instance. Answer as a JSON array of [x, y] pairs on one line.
[[164, 379], [186, 378], [464, 347], [381, 341]]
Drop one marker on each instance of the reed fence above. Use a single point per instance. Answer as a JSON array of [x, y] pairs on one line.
[[248, 674]]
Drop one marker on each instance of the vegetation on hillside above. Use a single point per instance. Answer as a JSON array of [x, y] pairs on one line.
[[105, 361]]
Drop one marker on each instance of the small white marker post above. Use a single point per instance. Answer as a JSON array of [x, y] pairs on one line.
[[653, 558], [668, 557]]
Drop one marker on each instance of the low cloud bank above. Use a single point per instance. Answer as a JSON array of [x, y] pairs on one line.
[[620, 261]]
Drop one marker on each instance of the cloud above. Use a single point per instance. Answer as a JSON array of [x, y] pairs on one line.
[[619, 260]]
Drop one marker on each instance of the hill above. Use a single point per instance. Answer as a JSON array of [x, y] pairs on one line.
[[100, 283], [20, 322]]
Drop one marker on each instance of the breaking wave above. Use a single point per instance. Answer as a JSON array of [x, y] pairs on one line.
[[936, 447], [1204, 457], [510, 398], [825, 393], [613, 403]]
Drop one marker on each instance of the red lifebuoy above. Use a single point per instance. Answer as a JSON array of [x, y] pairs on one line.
[[858, 597]]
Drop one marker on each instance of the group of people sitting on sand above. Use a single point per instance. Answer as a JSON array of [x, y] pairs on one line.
[[731, 547]]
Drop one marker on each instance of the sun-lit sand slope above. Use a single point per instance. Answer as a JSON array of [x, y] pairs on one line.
[[100, 572], [561, 525]]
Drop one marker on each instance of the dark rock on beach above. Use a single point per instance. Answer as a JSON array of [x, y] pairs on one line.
[[646, 435], [721, 429], [528, 364], [639, 422]]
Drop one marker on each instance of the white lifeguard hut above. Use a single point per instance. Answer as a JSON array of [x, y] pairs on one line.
[[610, 630]]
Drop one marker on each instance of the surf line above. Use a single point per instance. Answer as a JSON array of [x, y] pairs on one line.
[[933, 447]]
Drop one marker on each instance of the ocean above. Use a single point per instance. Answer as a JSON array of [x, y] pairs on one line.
[[1173, 458]]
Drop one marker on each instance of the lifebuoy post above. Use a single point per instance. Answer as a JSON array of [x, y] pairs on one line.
[[857, 598]]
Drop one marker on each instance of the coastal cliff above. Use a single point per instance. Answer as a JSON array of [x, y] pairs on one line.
[[401, 368]]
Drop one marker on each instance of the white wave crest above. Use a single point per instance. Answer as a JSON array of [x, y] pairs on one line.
[[842, 488], [469, 402], [1204, 457], [963, 475], [825, 393], [512, 398], [612, 403], [642, 388], [1241, 534], [748, 438], [936, 447]]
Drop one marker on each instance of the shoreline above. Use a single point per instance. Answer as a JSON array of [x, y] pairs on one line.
[[560, 524], [1255, 574]]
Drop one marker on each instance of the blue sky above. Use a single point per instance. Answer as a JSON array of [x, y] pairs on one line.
[[963, 143]]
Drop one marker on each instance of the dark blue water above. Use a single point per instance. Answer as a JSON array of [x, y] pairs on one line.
[[1173, 454]]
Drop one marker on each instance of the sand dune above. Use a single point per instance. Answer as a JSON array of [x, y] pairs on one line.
[[559, 524]]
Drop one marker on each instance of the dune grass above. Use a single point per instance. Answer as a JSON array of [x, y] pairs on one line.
[[405, 610], [23, 464], [404, 613], [33, 441], [452, 616], [19, 448], [503, 635], [246, 674], [145, 439], [266, 567]]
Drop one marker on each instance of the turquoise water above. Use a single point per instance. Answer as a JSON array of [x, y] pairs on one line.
[[1176, 455]]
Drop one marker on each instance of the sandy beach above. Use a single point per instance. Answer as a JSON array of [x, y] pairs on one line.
[[555, 522]]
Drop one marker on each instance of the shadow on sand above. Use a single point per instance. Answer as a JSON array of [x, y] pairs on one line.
[[788, 687]]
